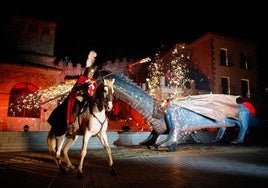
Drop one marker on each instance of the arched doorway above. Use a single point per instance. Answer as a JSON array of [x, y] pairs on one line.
[[24, 101]]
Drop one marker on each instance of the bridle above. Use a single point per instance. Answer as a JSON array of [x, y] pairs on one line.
[[108, 96], [108, 102], [108, 91]]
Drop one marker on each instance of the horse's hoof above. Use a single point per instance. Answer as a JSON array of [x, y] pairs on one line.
[[79, 175], [71, 167], [113, 172], [62, 169], [68, 170]]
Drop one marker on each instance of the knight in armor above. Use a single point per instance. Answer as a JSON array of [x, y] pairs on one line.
[[82, 90]]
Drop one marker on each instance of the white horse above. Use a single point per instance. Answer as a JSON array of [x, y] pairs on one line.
[[87, 124]]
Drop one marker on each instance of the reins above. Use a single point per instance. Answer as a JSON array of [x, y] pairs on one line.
[[109, 96], [102, 123], [105, 100]]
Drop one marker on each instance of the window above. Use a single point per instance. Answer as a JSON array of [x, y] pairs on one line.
[[33, 28], [45, 30], [243, 61], [20, 25], [225, 85], [223, 57], [245, 88], [24, 101]]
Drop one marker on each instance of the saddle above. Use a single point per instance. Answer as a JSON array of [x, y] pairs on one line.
[[83, 103]]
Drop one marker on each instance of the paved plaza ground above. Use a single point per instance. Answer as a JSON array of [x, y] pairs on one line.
[[192, 165]]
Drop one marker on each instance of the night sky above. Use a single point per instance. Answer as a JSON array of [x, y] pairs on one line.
[[137, 29]]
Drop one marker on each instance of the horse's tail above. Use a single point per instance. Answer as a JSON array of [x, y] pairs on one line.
[[51, 141]]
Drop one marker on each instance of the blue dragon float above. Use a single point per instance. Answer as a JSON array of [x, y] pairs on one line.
[[183, 115]]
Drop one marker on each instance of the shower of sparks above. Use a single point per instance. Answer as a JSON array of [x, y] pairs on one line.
[[176, 65], [33, 101], [55, 92], [175, 72]]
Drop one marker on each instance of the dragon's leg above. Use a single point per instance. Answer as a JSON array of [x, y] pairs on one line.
[[243, 124], [220, 134], [173, 131], [151, 139]]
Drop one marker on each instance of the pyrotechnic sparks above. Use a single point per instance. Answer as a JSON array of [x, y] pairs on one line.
[[55, 92], [175, 73], [32, 101], [170, 71]]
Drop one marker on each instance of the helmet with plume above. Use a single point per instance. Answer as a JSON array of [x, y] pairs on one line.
[[91, 58]]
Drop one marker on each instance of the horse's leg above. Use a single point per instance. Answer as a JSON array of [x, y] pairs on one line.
[[86, 137], [104, 141], [59, 144], [69, 142]]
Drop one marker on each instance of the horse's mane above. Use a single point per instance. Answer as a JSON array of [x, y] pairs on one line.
[[98, 98]]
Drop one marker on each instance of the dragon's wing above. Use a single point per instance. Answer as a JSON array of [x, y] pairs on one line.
[[214, 106]]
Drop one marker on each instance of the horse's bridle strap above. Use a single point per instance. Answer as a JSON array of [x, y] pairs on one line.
[[102, 123]]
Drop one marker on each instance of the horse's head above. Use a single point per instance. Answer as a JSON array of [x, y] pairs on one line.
[[108, 93]]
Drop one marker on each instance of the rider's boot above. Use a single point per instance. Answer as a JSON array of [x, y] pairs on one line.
[[71, 125]]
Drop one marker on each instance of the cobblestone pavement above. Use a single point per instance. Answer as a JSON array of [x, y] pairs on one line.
[[192, 165]]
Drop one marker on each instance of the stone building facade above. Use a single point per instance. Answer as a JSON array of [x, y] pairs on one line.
[[12, 76], [230, 63], [27, 57]]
